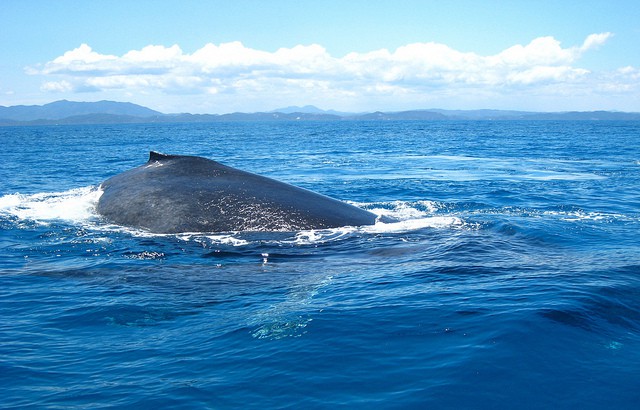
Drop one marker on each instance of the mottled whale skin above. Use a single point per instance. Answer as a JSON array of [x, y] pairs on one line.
[[176, 194]]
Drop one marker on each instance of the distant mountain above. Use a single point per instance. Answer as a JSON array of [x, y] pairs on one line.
[[256, 116], [483, 114], [64, 109], [111, 112], [91, 119], [439, 114], [401, 116], [311, 109]]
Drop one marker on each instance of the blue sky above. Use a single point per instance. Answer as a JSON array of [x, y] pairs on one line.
[[225, 56]]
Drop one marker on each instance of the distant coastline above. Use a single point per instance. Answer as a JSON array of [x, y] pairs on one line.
[[110, 112]]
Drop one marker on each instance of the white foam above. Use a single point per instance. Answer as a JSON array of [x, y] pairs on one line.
[[400, 216], [227, 240], [313, 236], [79, 206], [579, 216], [393, 217], [76, 205], [436, 222], [401, 210]]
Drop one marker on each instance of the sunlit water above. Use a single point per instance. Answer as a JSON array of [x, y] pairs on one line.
[[507, 274]]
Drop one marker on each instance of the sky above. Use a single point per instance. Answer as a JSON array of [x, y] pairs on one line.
[[356, 56]]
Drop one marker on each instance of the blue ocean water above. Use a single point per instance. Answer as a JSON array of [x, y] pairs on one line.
[[511, 278]]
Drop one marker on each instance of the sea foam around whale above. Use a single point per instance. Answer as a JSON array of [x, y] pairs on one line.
[[77, 207]]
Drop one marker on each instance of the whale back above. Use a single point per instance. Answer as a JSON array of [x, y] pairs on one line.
[[176, 193]]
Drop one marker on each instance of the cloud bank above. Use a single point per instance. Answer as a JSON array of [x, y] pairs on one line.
[[310, 73]]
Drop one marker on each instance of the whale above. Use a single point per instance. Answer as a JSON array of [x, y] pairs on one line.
[[181, 194]]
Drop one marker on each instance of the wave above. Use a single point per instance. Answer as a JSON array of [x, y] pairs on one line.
[[75, 206]]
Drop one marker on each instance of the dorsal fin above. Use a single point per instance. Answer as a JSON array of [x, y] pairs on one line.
[[157, 156]]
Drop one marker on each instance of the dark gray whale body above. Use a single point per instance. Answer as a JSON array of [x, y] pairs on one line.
[[175, 193]]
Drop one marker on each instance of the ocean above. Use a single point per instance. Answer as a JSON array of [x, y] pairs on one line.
[[507, 275]]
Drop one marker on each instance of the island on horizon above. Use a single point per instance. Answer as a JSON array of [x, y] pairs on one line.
[[111, 112]]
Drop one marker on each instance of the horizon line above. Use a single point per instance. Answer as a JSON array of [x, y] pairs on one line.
[[330, 111]]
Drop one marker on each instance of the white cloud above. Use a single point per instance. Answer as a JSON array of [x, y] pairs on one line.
[[310, 72], [82, 55], [57, 86], [595, 40], [543, 51]]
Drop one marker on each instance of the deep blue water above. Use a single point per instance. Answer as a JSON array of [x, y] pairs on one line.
[[512, 279]]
